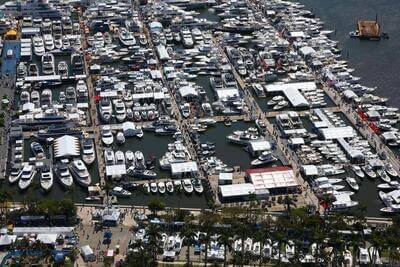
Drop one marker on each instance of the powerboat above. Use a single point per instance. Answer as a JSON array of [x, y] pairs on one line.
[[25, 180], [169, 187], [33, 70], [120, 138], [130, 157], [161, 187], [70, 95], [357, 171], [47, 97], [38, 46], [266, 157], [105, 107], [62, 69], [15, 174], [48, 42], [392, 185], [280, 105], [390, 170], [37, 150], [106, 135], [383, 175], [120, 110], [153, 188], [352, 182], [88, 153], [63, 174], [275, 100], [126, 37], [48, 64], [46, 178], [80, 173], [119, 158], [197, 186], [141, 173], [369, 171], [118, 191], [187, 186], [109, 156]]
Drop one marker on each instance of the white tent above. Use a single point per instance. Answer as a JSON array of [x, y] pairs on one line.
[[47, 238], [67, 146], [7, 239]]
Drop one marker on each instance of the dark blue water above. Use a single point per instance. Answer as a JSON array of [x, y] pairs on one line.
[[376, 62]]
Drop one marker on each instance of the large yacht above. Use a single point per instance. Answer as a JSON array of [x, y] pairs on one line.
[[106, 109], [46, 178], [28, 172], [48, 42], [266, 157], [88, 154], [77, 62], [126, 37], [63, 174], [48, 64], [80, 173]]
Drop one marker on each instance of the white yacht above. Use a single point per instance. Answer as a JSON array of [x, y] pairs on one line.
[[120, 110], [28, 172], [352, 182], [161, 187], [392, 185], [88, 153], [363, 256], [80, 173], [47, 97], [119, 158], [120, 138], [57, 42], [15, 174], [48, 42], [62, 69], [130, 157], [48, 64], [37, 150], [357, 171], [105, 107], [187, 186], [46, 178], [153, 188], [120, 192], [38, 46], [187, 39], [109, 156], [126, 37], [266, 157], [63, 174], [169, 187], [106, 135], [197, 186]]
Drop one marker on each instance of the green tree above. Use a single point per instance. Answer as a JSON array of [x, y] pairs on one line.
[[188, 234], [225, 239], [155, 205]]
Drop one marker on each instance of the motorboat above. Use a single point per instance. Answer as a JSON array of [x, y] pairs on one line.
[[383, 175], [118, 191], [58, 42], [62, 69], [15, 174], [63, 174], [119, 158], [35, 98], [33, 70], [130, 157], [106, 135], [46, 178], [47, 97], [48, 42], [77, 62], [70, 95], [394, 208], [38, 46], [390, 170], [266, 157], [139, 159], [142, 39], [37, 150], [187, 39], [120, 138], [275, 100], [105, 107], [48, 64], [109, 156], [126, 37], [169, 187], [392, 185], [80, 173], [187, 186], [357, 171], [153, 188], [141, 173], [120, 110], [88, 153], [280, 105], [25, 180], [352, 182], [130, 186], [25, 97], [197, 186], [62, 97], [161, 187], [22, 69], [369, 171]]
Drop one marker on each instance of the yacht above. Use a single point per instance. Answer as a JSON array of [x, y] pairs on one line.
[[187, 39], [25, 97], [62, 69], [58, 42], [130, 157], [161, 187], [35, 98], [22, 69], [390, 170], [88, 153], [70, 95], [33, 70], [142, 39], [15, 174], [77, 62], [169, 187], [197, 186], [394, 208], [244, 137], [153, 188], [48, 42], [369, 171], [392, 185], [48, 64], [352, 182], [80, 173], [383, 175], [141, 173], [28, 172], [109, 156], [266, 157], [106, 135], [139, 160], [66, 44], [375, 257], [37, 150], [38, 46], [280, 105], [120, 110], [120, 192], [357, 171], [46, 178], [187, 186], [119, 158], [120, 138], [275, 100], [185, 109], [126, 37], [63, 174], [47, 97], [82, 92], [106, 109]]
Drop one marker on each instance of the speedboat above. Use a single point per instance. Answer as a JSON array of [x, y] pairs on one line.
[[369, 171], [37, 150], [47, 97], [352, 182], [106, 135], [120, 192], [392, 185], [64, 175], [266, 157], [197, 186], [15, 174], [120, 110], [62, 69], [146, 188], [70, 95], [161, 187], [80, 173], [119, 158], [139, 163], [170, 187], [357, 171], [280, 105], [38, 46], [153, 188], [57, 42], [48, 64], [28, 172], [35, 98], [141, 173], [187, 186], [88, 153], [120, 138], [394, 208], [390, 170], [275, 100], [130, 157], [142, 39], [383, 175], [46, 178]]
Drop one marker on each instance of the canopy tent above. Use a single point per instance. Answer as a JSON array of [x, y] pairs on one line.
[[67, 146], [7, 239]]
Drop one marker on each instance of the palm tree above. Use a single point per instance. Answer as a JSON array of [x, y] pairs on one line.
[[355, 242], [154, 238], [225, 240], [107, 187], [262, 234], [242, 231], [188, 236], [207, 220]]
